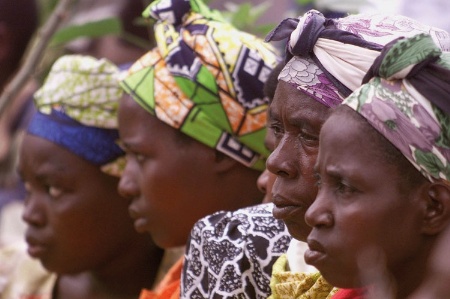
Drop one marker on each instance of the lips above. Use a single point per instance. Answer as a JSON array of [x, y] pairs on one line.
[[35, 248], [140, 222], [285, 209], [315, 253]]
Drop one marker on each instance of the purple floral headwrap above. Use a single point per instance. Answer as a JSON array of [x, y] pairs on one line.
[[407, 101], [328, 58]]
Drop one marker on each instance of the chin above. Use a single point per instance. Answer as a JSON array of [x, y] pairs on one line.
[[297, 231]]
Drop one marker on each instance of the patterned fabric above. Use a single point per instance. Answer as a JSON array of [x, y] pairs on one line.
[[230, 254], [22, 277], [78, 106], [293, 285], [327, 58], [205, 78], [407, 102]]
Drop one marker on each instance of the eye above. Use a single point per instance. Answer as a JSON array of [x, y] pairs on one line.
[[55, 192], [138, 158], [309, 139], [318, 180], [344, 189], [276, 129]]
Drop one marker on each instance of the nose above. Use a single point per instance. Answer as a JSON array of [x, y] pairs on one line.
[[319, 214], [128, 187], [34, 212], [281, 161]]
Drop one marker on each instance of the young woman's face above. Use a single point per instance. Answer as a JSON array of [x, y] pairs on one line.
[[76, 220], [168, 181], [359, 208], [296, 120]]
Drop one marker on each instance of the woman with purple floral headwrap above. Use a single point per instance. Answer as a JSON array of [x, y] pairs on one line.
[[383, 174], [326, 60]]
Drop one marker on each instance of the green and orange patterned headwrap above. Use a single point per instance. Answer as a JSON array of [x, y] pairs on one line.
[[205, 78]]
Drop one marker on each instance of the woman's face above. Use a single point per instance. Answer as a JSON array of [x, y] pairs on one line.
[[266, 179], [360, 208], [76, 220], [295, 120], [170, 183]]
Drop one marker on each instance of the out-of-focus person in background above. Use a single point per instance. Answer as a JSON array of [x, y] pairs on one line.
[[18, 22]]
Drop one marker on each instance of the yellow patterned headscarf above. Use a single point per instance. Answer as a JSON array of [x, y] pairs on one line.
[[77, 109], [205, 78]]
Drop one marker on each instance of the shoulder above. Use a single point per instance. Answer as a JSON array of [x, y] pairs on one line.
[[23, 277], [254, 220], [233, 253]]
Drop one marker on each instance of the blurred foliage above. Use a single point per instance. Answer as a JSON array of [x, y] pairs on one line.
[[245, 16]]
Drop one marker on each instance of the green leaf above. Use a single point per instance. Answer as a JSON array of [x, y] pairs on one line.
[[109, 26]]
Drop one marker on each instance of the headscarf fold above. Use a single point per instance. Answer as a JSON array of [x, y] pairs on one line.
[[407, 101], [205, 78], [328, 58], [77, 109]]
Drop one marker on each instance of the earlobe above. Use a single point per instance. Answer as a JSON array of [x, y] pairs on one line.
[[437, 208]]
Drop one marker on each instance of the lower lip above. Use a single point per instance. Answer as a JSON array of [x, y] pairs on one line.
[[140, 225], [36, 251], [283, 212], [313, 257]]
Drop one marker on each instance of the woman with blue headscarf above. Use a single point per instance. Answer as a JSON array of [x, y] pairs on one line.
[[79, 236]]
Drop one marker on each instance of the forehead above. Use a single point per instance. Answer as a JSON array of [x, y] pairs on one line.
[[292, 105], [345, 144], [140, 129], [39, 155]]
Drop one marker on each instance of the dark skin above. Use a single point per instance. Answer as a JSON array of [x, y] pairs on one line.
[[171, 180], [296, 120], [435, 285], [81, 233], [355, 217]]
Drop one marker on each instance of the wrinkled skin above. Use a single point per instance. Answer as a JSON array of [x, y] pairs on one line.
[[296, 120]]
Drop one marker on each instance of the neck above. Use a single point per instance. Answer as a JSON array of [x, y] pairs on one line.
[[123, 278], [412, 273]]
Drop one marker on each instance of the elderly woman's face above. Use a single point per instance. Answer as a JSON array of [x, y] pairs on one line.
[[296, 120]]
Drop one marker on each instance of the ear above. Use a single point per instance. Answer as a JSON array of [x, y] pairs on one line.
[[5, 42], [437, 208], [223, 163]]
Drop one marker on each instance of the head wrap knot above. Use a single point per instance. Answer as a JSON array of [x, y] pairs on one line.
[[328, 58], [407, 102], [77, 109], [205, 78]]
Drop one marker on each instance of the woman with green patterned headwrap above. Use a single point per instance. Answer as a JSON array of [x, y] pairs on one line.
[[80, 239], [193, 125], [383, 174]]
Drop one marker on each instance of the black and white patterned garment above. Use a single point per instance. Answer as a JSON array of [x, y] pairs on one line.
[[230, 254]]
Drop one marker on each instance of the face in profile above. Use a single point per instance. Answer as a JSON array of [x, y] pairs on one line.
[[295, 120], [266, 179], [76, 220], [168, 180], [360, 207]]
